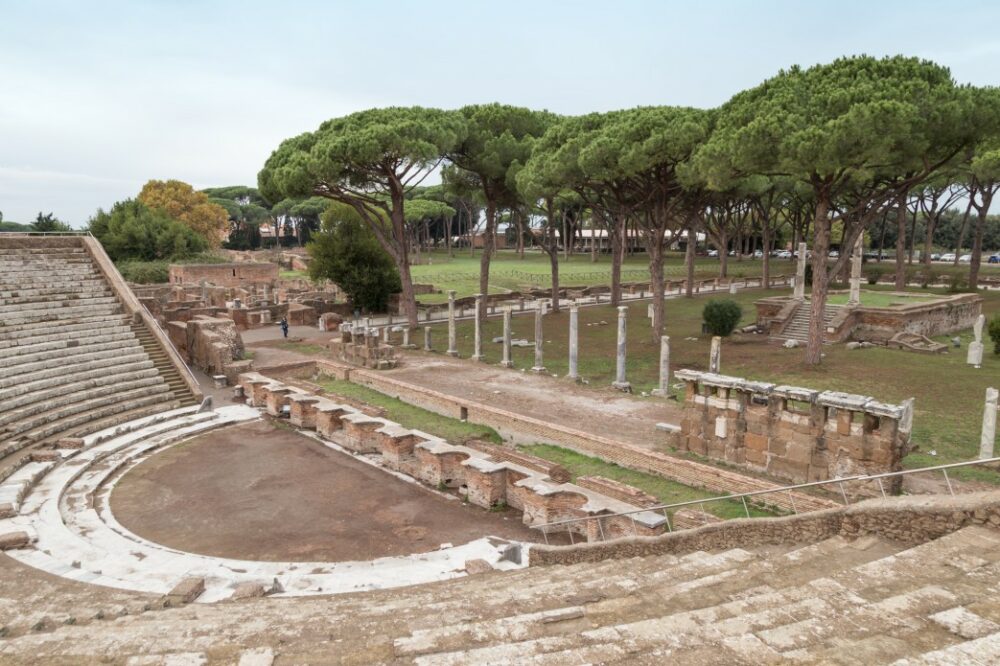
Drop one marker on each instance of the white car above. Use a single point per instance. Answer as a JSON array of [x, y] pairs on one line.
[[713, 253], [965, 259], [784, 254], [948, 256]]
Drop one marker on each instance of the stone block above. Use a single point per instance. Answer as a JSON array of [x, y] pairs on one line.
[[186, 591], [70, 443], [12, 540], [248, 591], [45, 455], [755, 442], [477, 566]]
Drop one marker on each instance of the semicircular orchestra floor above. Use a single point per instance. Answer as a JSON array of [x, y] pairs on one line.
[[260, 492]]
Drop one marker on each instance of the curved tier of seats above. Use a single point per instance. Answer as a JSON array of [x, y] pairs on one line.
[[71, 359], [61, 503]]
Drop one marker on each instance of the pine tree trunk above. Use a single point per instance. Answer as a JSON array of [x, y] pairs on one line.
[[766, 256], [977, 243], [820, 282], [656, 276], [964, 228]]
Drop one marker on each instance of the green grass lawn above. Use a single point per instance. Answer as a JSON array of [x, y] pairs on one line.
[[509, 273], [667, 491], [949, 393], [410, 416], [881, 299]]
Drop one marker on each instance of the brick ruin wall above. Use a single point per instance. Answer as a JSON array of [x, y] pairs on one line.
[[212, 344], [484, 480], [878, 325], [525, 429], [910, 520], [791, 433], [223, 275]]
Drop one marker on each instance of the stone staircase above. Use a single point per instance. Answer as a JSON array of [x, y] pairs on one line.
[[797, 326], [836, 601], [71, 359]]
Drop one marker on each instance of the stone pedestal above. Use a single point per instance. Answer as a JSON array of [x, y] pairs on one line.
[[477, 353], [539, 366], [406, 338], [452, 338], [506, 361], [620, 382], [975, 353], [574, 341], [800, 273], [664, 387], [427, 338], [989, 432], [715, 355]]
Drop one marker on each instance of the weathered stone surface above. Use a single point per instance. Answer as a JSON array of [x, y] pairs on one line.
[[186, 591], [248, 591], [477, 566], [10, 540]]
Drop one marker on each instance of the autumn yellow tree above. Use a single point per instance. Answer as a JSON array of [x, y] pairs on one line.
[[182, 202]]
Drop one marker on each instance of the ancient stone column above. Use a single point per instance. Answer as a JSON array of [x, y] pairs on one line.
[[715, 356], [452, 348], [574, 341], [664, 388], [477, 354], [859, 249], [975, 352], [427, 338], [539, 313], [800, 274], [385, 335], [620, 383], [989, 433], [406, 338], [506, 361]]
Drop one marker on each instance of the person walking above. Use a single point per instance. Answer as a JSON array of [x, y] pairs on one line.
[[284, 327]]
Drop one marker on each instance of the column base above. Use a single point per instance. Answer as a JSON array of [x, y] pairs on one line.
[[477, 357], [452, 353], [407, 346], [622, 386], [507, 364], [538, 368], [662, 393], [575, 378]]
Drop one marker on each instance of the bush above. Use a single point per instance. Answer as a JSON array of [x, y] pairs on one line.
[[721, 316], [144, 272], [874, 274], [347, 253], [994, 332]]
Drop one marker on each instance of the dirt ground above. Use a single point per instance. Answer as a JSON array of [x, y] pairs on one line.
[[607, 413], [262, 492]]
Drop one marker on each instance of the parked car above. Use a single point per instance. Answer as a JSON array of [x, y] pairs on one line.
[[834, 254], [948, 256], [965, 259], [936, 256], [758, 254], [713, 253], [784, 254]]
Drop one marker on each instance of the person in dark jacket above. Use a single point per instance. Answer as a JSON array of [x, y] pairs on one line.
[[284, 327]]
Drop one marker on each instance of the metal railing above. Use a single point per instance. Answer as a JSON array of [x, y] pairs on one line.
[[74, 232], [664, 508]]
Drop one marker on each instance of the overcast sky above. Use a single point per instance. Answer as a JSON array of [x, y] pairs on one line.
[[98, 97]]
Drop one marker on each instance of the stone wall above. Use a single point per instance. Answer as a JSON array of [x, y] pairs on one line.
[[483, 479], [946, 315], [791, 433], [223, 275], [212, 344], [521, 428], [910, 520]]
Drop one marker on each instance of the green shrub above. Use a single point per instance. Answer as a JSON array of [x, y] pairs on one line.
[[874, 274], [994, 332], [144, 272], [721, 316]]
